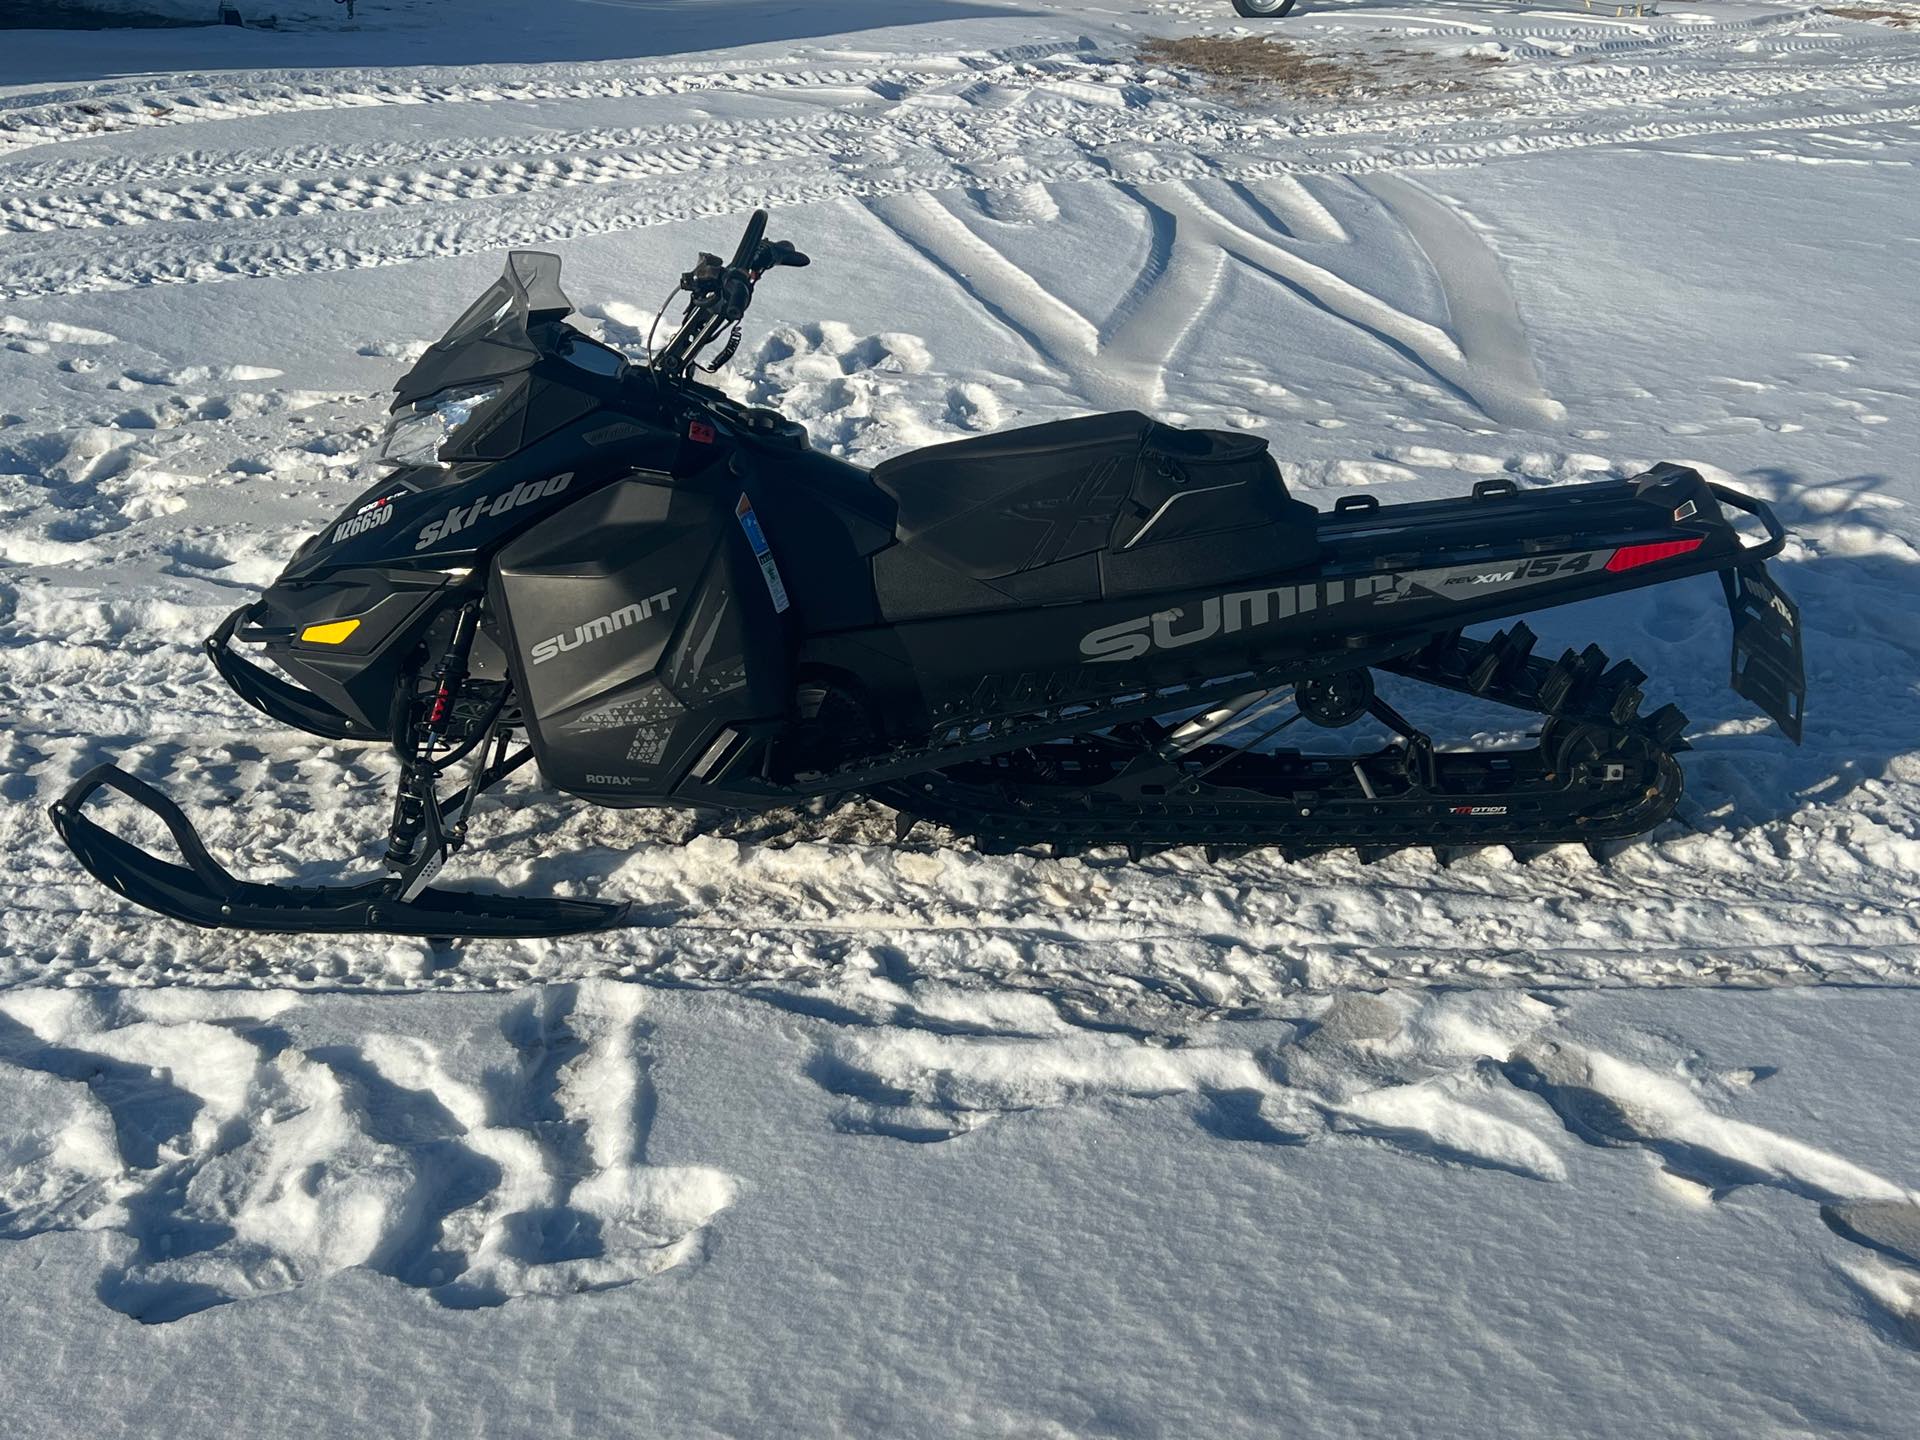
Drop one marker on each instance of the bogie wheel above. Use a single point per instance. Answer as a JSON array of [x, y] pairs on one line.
[[1263, 9], [1600, 755]]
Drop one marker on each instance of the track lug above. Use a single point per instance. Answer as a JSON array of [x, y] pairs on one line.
[[1486, 667], [1664, 727], [903, 827], [1570, 677], [1557, 684], [1505, 653], [1621, 693], [1527, 854]]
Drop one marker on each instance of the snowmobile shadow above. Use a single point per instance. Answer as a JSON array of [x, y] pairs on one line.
[[1858, 593]]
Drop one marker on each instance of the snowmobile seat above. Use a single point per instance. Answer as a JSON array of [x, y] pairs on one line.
[[1094, 508]]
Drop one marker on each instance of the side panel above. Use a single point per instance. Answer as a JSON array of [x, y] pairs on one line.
[[638, 628]]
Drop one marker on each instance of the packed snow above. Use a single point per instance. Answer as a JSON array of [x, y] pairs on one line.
[[845, 1136]]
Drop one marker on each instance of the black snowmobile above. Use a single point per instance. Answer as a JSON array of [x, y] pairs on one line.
[[1085, 633]]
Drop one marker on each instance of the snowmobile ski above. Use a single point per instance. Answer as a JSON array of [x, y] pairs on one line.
[[202, 892]]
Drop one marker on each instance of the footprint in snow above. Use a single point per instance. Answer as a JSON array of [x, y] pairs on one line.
[[237, 1164]]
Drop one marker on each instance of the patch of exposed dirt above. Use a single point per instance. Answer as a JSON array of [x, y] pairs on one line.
[[1249, 65], [1898, 19]]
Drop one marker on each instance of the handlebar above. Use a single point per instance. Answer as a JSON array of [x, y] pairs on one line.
[[750, 239], [720, 296]]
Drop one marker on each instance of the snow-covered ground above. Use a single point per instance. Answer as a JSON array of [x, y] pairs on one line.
[[851, 1138]]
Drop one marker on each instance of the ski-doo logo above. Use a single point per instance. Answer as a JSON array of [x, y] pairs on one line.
[[461, 516], [603, 626], [369, 519], [1224, 615]]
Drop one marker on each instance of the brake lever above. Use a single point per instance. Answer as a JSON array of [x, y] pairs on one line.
[[704, 279]]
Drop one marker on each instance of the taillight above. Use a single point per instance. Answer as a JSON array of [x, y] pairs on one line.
[[1629, 557]]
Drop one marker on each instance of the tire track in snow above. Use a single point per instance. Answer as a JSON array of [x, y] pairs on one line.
[[1573, 90], [36, 118], [224, 202], [43, 264], [67, 180]]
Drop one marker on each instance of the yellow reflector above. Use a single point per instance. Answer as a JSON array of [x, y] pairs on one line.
[[331, 634]]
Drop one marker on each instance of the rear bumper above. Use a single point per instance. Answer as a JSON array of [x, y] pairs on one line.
[[1776, 532]]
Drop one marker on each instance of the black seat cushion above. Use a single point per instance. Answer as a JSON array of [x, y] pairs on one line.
[[1085, 509]]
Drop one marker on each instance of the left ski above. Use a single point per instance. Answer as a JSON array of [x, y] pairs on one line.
[[203, 892]]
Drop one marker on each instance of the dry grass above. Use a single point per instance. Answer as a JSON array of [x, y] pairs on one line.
[[1248, 64], [1899, 19]]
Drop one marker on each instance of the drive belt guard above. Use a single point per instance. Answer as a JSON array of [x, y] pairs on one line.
[[203, 892]]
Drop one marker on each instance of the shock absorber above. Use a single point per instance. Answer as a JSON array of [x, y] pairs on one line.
[[416, 808]]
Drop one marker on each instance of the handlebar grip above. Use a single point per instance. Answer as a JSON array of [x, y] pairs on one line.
[[781, 252]]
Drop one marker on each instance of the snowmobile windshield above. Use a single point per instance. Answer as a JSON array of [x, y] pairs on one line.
[[495, 336]]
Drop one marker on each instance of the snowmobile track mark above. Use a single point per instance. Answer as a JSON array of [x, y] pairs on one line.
[[41, 117], [1214, 148], [243, 1165]]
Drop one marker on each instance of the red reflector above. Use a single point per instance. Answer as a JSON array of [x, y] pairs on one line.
[[701, 433], [1628, 557]]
